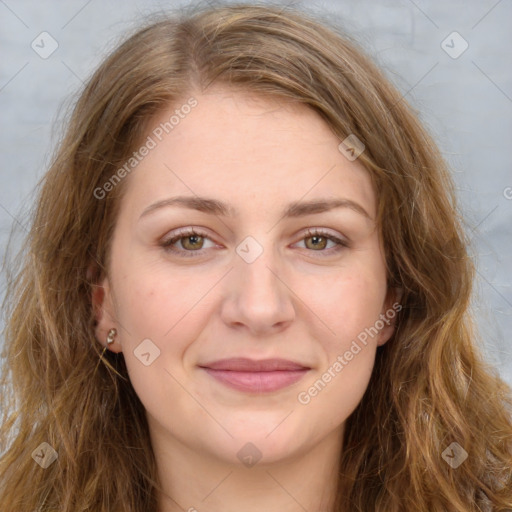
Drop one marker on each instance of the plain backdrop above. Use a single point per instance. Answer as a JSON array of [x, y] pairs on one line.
[[450, 60]]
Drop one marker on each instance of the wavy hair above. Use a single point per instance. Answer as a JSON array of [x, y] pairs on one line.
[[430, 385]]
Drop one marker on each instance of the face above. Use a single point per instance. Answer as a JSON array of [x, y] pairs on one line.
[[258, 281]]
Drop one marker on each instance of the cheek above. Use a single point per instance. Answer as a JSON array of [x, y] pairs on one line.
[[158, 321], [169, 311], [351, 307], [152, 304], [348, 352], [351, 311]]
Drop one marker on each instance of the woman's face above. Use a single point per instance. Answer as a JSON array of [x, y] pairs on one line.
[[252, 285]]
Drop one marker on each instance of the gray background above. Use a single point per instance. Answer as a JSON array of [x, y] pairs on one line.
[[465, 102]]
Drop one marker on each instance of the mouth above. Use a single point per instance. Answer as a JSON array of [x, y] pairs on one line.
[[252, 376]]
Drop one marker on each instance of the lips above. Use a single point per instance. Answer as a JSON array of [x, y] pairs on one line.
[[241, 364], [252, 376]]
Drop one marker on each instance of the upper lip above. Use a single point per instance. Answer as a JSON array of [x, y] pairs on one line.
[[242, 364]]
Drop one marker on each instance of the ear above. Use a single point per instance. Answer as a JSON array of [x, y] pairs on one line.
[[388, 315], [104, 315]]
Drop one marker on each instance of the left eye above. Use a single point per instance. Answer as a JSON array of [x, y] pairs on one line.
[[192, 241], [320, 239]]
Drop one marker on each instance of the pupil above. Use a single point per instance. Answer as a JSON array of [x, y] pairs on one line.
[[317, 240]]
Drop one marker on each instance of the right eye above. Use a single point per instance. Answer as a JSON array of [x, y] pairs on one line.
[[191, 241]]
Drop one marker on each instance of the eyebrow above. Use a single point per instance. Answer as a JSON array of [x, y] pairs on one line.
[[293, 210]]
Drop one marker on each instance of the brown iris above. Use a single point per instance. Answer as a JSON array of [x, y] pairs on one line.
[[316, 238], [194, 244]]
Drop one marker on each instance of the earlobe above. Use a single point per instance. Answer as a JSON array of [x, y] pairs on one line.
[[389, 314], [397, 295], [385, 334], [101, 300]]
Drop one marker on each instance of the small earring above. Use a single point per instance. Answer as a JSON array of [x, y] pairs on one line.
[[111, 335]]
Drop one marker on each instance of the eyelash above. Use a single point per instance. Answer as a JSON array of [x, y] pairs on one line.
[[167, 244]]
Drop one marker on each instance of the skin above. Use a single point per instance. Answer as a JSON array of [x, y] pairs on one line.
[[257, 155]]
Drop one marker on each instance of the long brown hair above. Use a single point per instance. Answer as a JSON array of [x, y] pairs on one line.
[[430, 386]]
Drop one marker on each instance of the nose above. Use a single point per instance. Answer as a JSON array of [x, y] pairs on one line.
[[257, 297]]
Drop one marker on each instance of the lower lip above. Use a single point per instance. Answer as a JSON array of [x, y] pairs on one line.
[[257, 382]]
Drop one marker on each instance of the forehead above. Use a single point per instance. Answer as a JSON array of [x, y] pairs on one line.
[[247, 151]]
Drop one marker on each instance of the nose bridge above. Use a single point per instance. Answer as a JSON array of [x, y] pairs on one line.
[[258, 267], [259, 298]]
